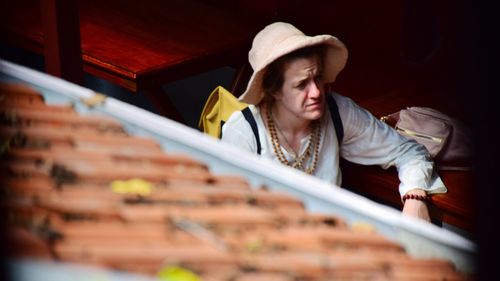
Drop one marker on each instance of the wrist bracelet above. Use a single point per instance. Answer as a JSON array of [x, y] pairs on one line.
[[424, 198]]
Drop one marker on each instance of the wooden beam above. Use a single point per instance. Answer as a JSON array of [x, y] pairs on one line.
[[62, 47]]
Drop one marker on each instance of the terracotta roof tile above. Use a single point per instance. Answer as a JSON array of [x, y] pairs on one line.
[[232, 181], [79, 188], [64, 120], [31, 103], [25, 244], [262, 277], [316, 266]]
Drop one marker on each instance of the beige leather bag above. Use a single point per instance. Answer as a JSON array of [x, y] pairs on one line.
[[448, 140]]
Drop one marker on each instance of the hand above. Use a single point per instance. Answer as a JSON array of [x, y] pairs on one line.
[[416, 208]]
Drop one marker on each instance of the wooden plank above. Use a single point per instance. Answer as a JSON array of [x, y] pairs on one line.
[[62, 48]]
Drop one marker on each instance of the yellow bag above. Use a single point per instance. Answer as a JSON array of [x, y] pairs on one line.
[[219, 106]]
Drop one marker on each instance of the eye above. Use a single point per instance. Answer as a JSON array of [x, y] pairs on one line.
[[301, 85]]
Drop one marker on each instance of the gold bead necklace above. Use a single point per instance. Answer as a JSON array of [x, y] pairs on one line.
[[289, 146], [311, 149]]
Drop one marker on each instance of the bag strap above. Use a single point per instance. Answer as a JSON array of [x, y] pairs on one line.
[[334, 112], [337, 122], [249, 117]]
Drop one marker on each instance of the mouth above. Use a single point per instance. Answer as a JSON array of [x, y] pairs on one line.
[[314, 105]]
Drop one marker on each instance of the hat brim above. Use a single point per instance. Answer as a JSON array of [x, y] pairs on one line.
[[334, 61]]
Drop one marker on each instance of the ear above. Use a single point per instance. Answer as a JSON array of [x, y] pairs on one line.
[[278, 95]]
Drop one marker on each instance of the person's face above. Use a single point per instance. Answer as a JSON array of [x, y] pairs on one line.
[[302, 93]]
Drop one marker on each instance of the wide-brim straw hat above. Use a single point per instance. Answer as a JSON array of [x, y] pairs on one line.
[[280, 38]]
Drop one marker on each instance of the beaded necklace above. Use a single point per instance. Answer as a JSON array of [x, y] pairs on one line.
[[298, 162], [289, 146]]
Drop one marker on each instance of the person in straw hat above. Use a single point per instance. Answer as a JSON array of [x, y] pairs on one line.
[[287, 96]]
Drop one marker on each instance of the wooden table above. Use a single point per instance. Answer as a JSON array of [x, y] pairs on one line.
[[141, 45]]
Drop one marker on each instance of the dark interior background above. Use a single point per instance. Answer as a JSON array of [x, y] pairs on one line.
[[430, 53]]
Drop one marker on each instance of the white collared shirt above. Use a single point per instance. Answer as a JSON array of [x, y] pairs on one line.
[[367, 141]]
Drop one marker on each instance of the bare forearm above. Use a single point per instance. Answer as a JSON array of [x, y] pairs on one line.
[[415, 204]]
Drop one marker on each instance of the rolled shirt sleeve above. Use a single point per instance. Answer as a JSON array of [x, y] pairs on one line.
[[370, 141]]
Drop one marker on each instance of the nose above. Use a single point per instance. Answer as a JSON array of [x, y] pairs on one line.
[[315, 90]]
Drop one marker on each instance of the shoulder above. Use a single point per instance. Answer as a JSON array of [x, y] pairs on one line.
[[346, 106], [237, 123], [237, 119], [356, 120], [342, 101]]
